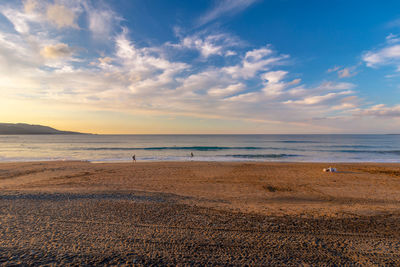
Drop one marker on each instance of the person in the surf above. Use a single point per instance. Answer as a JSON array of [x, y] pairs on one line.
[[134, 158], [191, 154]]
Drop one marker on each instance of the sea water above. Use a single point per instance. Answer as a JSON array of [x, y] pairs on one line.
[[120, 148]]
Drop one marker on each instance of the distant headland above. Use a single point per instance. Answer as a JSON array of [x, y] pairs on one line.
[[23, 128]]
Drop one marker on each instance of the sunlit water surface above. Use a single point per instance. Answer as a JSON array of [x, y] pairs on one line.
[[119, 148]]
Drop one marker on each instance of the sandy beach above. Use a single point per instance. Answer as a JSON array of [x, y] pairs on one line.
[[199, 213]]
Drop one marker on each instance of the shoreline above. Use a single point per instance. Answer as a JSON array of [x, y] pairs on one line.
[[204, 161]]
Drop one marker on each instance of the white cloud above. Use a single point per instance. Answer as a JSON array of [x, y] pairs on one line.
[[230, 53], [20, 20], [224, 7], [246, 98], [392, 38], [324, 95], [229, 90], [384, 56], [145, 70], [258, 54], [206, 47], [274, 86], [18, 53], [255, 61], [200, 83], [209, 44], [101, 20], [274, 76], [314, 100], [387, 55]]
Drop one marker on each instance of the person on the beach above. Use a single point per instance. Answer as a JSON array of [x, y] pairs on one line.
[[191, 154], [134, 158]]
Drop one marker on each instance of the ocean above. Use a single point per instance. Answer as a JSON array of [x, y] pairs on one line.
[[120, 148]]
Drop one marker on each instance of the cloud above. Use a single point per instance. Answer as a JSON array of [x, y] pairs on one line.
[[61, 16], [224, 8], [314, 100], [143, 69], [18, 53], [255, 61], [229, 90], [230, 53], [334, 69], [343, 72], [101, 20], [30, 6], [335, 86], [389, 54], [274, 76], [251, 97], [392, 38], [208, 82], [35, 15], [294, 82], [274, 86], [381, 110], [209, 44], [206, 47], [60, 50], [105, 60], [20, 20], [40, 63]]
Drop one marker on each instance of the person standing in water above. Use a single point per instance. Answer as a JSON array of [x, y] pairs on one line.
[[191, 154], [134, 158]]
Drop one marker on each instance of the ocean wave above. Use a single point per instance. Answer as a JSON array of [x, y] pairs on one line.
[[395, 152], [297, 142], [194, 148], [350, 146], [256, 156]]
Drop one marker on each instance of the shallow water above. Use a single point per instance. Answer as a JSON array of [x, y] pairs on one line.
[[116, 148]]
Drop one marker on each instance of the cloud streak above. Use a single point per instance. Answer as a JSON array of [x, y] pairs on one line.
[[224, 8], [389, 54], [382, 111]]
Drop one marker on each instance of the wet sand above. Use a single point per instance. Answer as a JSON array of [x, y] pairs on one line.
[[199, 213]]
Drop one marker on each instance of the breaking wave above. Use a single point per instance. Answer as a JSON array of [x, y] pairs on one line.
[[194, 148], [257, 156]]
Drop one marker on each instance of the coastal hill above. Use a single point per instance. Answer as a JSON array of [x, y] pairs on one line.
[[23, 128]]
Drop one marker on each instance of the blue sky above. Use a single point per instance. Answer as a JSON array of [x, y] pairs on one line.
[[228, 66]]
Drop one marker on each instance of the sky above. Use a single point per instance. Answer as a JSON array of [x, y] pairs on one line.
[[201, 67]]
